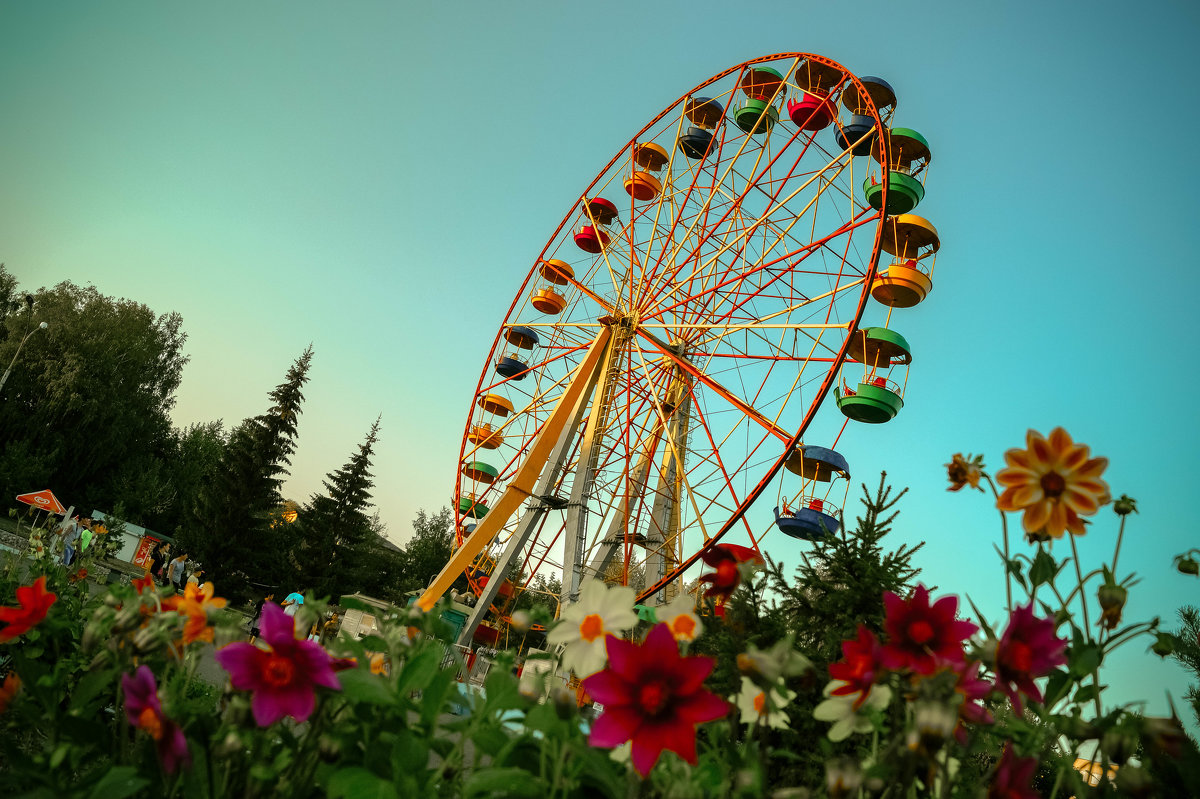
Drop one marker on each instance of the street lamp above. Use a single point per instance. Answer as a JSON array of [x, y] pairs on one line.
[[4, 378]]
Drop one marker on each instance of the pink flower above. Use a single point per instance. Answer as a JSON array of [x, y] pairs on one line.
[[973, 690], [920, 636], [284, 676], [1028, 649], [858, 667], [144, 712], [653, 697], [1014, 777], [730, 562]]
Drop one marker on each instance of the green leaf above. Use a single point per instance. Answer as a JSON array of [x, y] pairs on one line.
[[119, 782], [543, 719], [505, 782], [360, 685], [1057, 686], [490, 740], [501, 690], [433, 698], [1088, 692], [987, 628], [373, 643], [418, 670], [359, 783], [1084, 659], [410, 755], [1044, 569]]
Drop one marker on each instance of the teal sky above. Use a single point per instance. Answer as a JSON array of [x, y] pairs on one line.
[[376, 178]]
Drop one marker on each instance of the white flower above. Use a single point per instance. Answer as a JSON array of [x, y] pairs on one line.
[[757, 705], [600, 611], [680, 615], [840, 710]]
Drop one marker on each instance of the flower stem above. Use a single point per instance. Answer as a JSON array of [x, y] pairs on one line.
[[1087, 626], [1004, 524], [1117, 551]]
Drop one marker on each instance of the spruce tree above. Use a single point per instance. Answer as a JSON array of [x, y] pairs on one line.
[[238, 534], [335, 537]]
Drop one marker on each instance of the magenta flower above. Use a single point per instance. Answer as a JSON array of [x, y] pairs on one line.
[[1014, 777], [859, 666], [653, 697], [144, 712], [973, 691], [920, 636], [284, 676], [1028, 649]]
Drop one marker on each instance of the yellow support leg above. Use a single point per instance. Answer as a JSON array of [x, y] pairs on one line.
[[522, 484]]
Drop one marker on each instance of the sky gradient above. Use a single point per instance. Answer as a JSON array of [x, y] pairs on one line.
[[376, 178]]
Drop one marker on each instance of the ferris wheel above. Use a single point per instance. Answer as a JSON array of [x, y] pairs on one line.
[[669, 347]]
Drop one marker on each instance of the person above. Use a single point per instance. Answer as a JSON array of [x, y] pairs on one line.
[[158, 563], [70, 534], [85, 537], [196, 577], [258, 610], [175, 571], [292, 603], [329, 630]]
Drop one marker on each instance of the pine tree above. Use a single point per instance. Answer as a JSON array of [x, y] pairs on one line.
[[335, 533], [237, 534]]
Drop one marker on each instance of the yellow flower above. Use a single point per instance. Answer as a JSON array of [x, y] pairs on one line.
[[194, 605], [964, 471], [1054, 481]]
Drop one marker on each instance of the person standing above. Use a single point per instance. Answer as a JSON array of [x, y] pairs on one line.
[[158, 563], [175, 571], [258, 610], [70, 534]]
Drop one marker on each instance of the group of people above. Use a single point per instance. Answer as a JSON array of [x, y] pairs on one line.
[[174, 571], [76, 534], [322, 630]]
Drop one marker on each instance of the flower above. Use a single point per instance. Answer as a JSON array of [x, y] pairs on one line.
[[731, 563], [144, 712], [78, 575], [680, 616], [194, 605], [1054, 482], [1014, 777], [766, 706], [1028, 649], [921, 636], [142, 583], [768, 666], [33, 604], [653, 697], [8, 691], [972, 690], [964, 471], [600, 611], [283, 677], [1112, 599], [847, 714], [858, 667]]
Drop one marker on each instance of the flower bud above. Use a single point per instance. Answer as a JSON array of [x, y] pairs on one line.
[[112, 601], [521, 621], [1112, 601], [933, 723], [103, 660], [145, 640], [1164, 644], [1187, 565], [229, 746], [127, 618], [564, 702], [1125, 505], [329, 749], [842, 777]]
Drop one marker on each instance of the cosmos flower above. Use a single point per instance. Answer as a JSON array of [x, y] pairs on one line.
[[680, 616], [145, 712], [142, 583], [1054, 481], [1028, 649], [765, 706], [768, 666], [847, 714], [600, 611], [1014, 777], [284, 677], [731, 563], [33, 604], [194, 605], [859, 666], [653, 697], [921, 636], [973, 691]]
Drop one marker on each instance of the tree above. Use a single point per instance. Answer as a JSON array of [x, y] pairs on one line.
[[335, 538], [238, 533], [87, 404], [429, 549], [1187, 651]]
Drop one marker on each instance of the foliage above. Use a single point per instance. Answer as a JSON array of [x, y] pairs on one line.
[[236, 532], [428, 550], [1186, 649], [333, 532]]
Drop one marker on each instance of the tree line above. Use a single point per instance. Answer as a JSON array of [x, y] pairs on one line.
[[86, 412]]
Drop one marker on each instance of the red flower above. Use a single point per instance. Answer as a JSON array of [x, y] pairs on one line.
[[142, 583], [34, 602], [727, 560], [78, 575], [922, 637], [1028, 649], [144, 711], [653, 697], [973, 690], [858, 667], [1014, 777], [8, 690]]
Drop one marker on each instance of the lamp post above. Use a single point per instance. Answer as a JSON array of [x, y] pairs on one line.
[[8, 371]]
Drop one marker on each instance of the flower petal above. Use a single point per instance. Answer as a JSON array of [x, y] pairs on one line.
[[244, 664], [614, 727], [278, 628]]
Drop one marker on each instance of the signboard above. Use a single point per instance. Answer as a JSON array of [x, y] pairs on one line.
[[145, 547], [43, 500]]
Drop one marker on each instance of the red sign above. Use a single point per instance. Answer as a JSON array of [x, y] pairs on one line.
[[43, 500], [145, 547]]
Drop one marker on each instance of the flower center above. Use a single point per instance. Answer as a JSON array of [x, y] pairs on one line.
[[684, 627], [592, 627], [652, 697], [149, 721], [760, 703], [1019, 657], [1053, 485], [921, 632], [727, 574], [278, 671]]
